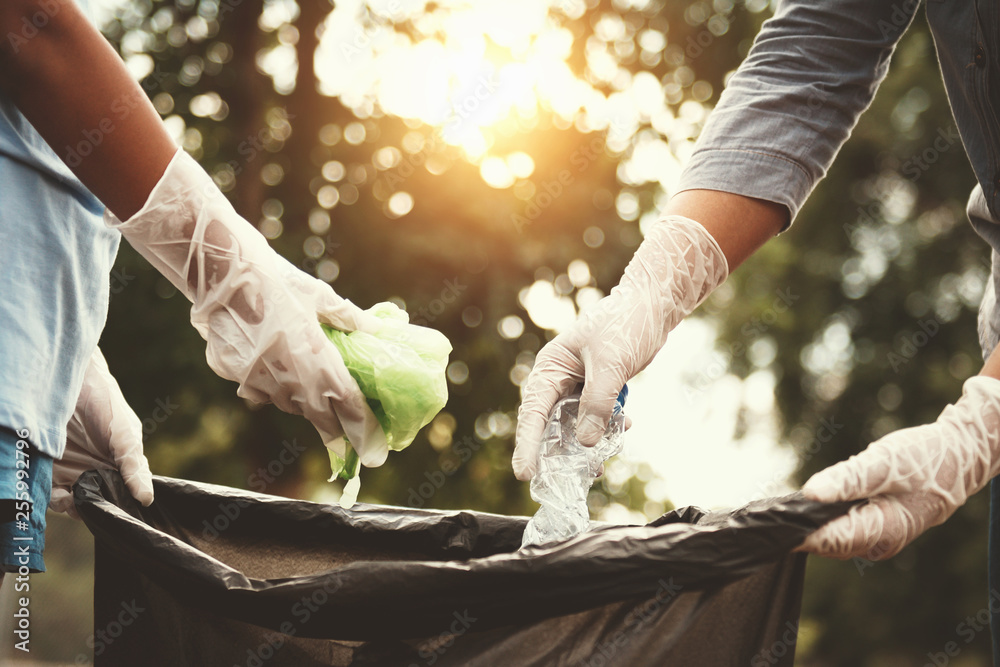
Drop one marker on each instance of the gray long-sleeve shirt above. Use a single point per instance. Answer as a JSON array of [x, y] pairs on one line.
[[814, 68]]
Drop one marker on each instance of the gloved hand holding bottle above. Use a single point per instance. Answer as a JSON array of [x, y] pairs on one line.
[[673, 271], [567, 470]]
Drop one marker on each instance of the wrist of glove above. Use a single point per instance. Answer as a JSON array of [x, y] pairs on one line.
[[916, 478], [259, 315], [103, 432], [673, 271]]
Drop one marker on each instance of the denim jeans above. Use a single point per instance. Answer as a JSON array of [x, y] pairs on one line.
[[25, 485]]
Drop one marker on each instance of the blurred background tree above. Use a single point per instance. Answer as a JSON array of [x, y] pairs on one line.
[[490, 167]]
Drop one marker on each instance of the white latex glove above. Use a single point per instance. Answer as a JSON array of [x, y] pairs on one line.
[[673, 271], [916, 478], [103, 432], [259, 314]]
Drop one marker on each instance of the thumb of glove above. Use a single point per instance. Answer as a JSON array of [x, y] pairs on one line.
[[138, 479], [125, 443], [859, 477], [829, 485], [123, 434], [61, 500], [889, 465], [340, 313]]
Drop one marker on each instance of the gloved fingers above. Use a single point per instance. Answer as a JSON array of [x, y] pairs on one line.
[[527, 440], [89, 425], [61, 500], [901, 462], [339, 406], [854, 534], [556, 373], [878, 529], [330, 307], [114, 427], [134, 468], [340, 313], [597, 401], [127, 459], [88, 429], [295, 366], [843, 480]]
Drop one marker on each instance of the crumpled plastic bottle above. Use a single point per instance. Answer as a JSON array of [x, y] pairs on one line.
[[567, 470]]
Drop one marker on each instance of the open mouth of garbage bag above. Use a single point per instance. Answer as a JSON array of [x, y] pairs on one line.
[[210, 575]]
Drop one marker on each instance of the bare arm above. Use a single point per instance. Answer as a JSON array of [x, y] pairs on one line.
[[740, 225], [75, 90], [259, 315]]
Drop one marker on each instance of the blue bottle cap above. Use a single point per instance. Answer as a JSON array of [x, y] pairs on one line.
[[620, 401]]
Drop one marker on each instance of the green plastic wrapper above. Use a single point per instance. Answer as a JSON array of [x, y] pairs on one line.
[[401, 371]]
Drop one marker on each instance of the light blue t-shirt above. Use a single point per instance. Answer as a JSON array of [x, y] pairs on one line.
[[55, 259]]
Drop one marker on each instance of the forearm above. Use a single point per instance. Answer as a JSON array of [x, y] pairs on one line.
[[740, 225], [75, 90], [784, 115]]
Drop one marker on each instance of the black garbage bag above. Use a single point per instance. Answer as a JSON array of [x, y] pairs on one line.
[[220, 577]]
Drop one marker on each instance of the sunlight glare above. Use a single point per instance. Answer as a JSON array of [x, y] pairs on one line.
[[468, 69]]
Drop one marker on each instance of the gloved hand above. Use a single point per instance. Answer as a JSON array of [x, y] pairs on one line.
[[673, 271], [103, 432], [916, 478], [259, 314]]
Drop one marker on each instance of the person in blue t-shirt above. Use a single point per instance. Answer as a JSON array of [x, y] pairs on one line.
[[79, 140]]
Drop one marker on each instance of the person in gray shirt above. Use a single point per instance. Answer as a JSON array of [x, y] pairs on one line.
[[813, 69]]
